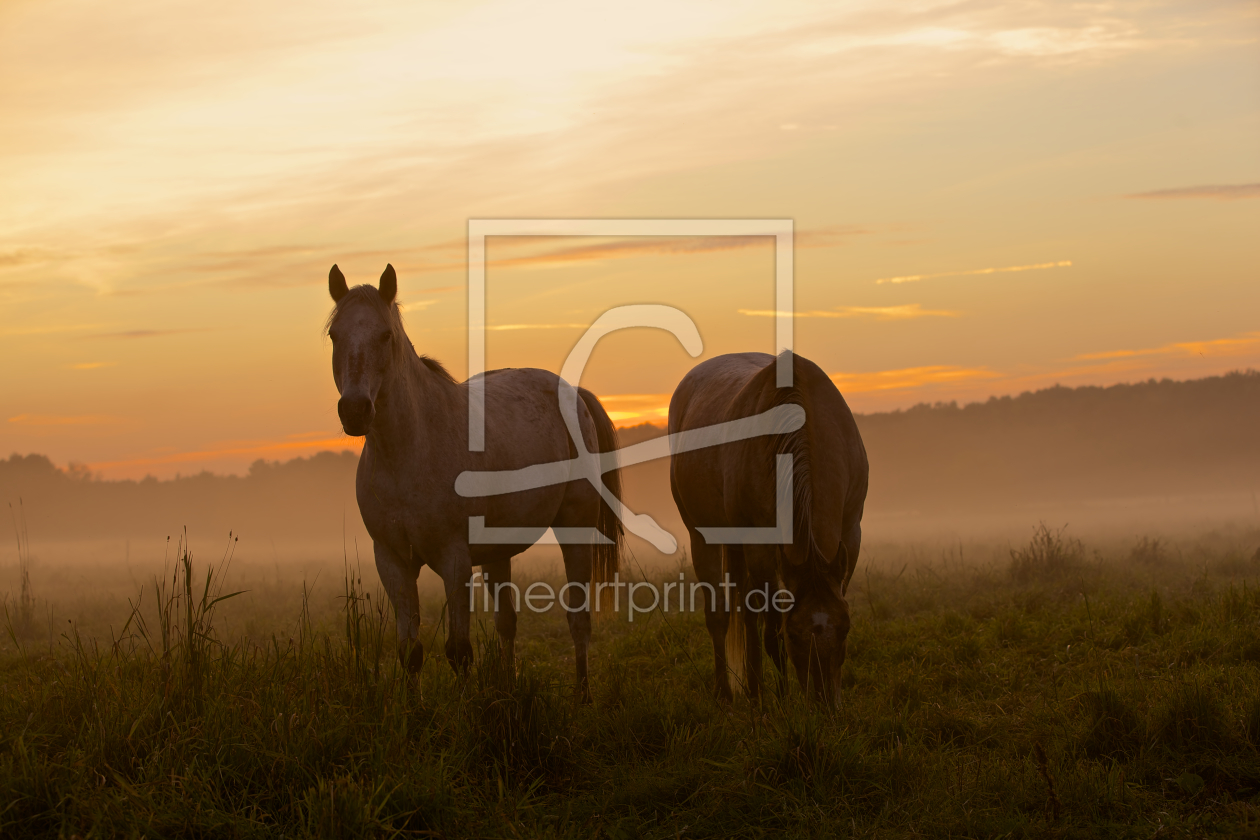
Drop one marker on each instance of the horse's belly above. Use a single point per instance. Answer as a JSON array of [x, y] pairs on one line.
[[386, 524], [698, 490], [530, 508]]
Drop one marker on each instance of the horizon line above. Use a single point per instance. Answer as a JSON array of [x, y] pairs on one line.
[[82, 469]]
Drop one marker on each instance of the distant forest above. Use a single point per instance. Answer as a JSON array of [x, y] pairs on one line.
[[1155, 438], [309, 500]]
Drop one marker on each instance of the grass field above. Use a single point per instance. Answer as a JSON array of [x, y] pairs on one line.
[[1049, 691]]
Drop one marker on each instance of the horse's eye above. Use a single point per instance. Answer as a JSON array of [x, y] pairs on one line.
[[385, 336]]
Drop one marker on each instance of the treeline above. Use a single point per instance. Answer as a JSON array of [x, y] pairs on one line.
[[1154, 438], [305, 499], [1150, 439]]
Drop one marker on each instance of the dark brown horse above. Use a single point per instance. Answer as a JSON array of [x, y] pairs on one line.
[[733, 485]]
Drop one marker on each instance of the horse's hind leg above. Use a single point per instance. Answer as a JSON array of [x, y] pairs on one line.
[[739, 560], [759, 564], [707, 561], [400, 585], [577, 569], [499, 574]]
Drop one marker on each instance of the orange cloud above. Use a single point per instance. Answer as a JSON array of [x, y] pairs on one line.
[[633, 409], [914, 278], [1215, 347], [904, 378], [879, 313]]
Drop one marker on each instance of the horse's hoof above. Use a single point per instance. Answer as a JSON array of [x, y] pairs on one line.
[[460, 655], [411, 656]]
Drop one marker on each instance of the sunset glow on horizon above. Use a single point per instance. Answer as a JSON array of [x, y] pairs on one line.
[[987, 200]]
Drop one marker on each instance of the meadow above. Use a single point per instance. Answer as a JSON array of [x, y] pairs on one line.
[[1050, 689]]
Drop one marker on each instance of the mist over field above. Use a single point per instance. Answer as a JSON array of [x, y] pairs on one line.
[[1154, 457], [1001, 681]]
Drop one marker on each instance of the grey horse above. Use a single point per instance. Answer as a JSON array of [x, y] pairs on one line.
[[414, 416]]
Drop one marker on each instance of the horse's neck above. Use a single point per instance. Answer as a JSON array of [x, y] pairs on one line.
[[416, 411]]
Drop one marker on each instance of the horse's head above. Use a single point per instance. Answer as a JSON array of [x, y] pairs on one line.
[[817, 627], [366, 335]]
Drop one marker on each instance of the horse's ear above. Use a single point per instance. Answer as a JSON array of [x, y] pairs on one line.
[[336, 283], [389, 284]]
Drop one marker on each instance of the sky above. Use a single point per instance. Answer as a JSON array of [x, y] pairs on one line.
[[987, 198]]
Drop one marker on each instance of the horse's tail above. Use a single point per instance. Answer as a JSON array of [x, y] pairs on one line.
[[607, 556], [803, 548]]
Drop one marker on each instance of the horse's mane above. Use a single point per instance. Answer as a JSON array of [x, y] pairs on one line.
[[390, 312]]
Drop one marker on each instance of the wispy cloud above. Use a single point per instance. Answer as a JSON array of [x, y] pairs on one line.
[[1220, 192], [147, 333], [905, 378], [914, 278], [91, 365], [903, 312], [592, 249], [509, 327], [307, 267], [1215, 347], [24, 256], [62, 419]]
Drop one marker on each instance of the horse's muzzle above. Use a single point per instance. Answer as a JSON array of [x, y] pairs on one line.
[[356, 415]]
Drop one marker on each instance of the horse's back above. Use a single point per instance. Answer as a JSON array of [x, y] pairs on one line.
[[704, 395], [523, 421], [733, 484], [704, 398]]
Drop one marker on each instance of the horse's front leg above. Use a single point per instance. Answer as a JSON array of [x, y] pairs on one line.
[[773, 630], [399, 581], [498, 582], [707, 562], [454, 566]]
